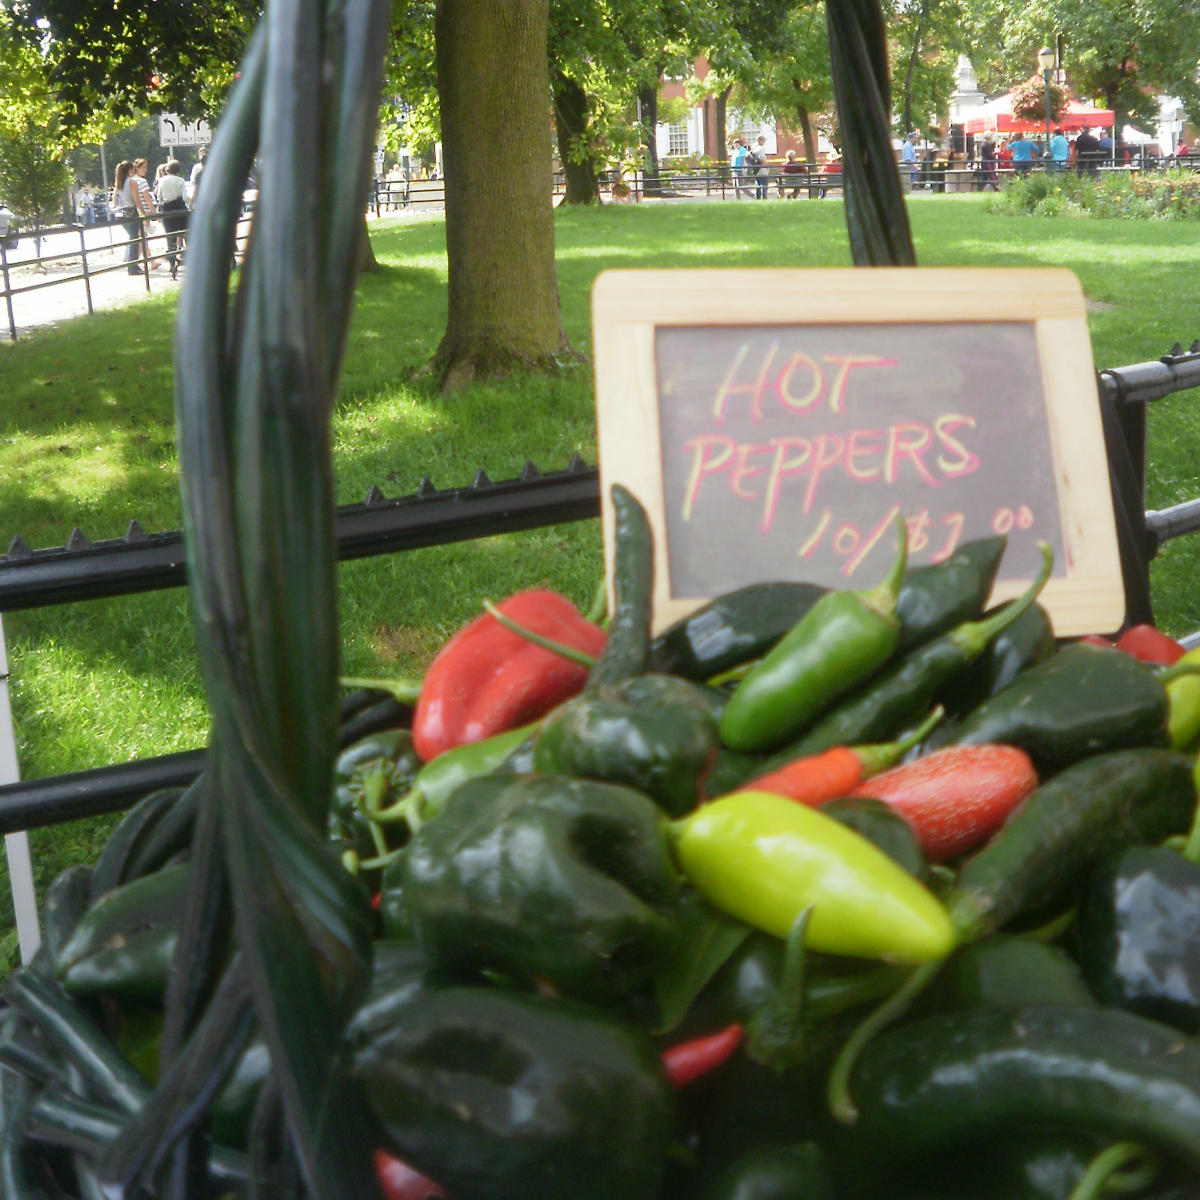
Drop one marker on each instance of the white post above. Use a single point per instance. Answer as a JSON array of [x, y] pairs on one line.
[[20, 864]]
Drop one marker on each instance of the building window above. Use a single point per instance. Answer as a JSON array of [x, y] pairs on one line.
[[750, 131], [677, 138]]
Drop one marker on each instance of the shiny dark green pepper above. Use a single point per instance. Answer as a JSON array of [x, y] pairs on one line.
[[1082, 701], [1006, 971], [731, 629], [883, 827], [939, 596], [545, 877], [771, 1172], [124, 944], [656, 733], [1028, 641], [1138, 932], [497, 1094]]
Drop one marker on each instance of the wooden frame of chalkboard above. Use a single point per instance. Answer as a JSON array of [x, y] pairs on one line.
[[774, 422]]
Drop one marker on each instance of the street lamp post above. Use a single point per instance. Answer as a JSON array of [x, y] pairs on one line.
[[1046, 62]]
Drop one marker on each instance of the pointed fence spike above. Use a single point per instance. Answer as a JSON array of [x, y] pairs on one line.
[[529, 472], [1176, 350], [577, 463], [18, 548], [1195, 347], [78, 540], [425, 488], [374, 495], [135, 532], [481, 479]]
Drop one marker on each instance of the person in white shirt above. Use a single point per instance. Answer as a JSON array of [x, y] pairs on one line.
[[172, 206]]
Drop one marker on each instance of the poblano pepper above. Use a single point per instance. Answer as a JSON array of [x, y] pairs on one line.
[[548, 878], [656, 733], [497, 1094], [839, 643], [373, 773]]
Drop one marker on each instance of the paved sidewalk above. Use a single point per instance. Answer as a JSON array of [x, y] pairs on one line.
[[67, 298]]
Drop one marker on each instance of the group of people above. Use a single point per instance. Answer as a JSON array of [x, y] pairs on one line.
[[1085, 153], [135, 203], [750, 162]]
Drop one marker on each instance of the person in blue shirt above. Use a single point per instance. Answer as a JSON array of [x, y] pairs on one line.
[[1023, 153], [1060, 150], [908, 156], [740, 151]]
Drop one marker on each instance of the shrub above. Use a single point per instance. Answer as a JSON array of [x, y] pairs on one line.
[[1169, 195]]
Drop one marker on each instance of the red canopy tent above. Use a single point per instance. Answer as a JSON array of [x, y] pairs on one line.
[[996, 116]]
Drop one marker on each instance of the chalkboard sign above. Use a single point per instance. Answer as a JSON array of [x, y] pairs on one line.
[[775, 422]]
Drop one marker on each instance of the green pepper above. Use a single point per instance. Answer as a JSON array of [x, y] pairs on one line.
[[1138, 933], [656, 733], [937, 597], [1089, 810], [902, 693], [1183, 697], [1005, 971], [839, 643], [497, 1094], [768, 1172], [1082, 701], [545, 877], [627, 651], [731, 629], [124, 944], [763, 859], [884, 828], [923, 1087], [372, 774], [1028, 641]]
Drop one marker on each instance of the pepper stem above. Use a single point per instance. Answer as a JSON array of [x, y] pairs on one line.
[[876, 758], [974, 636], [837, 1089], [405, 690], [776, 1032], [1123, 1167], [598, 613], [882, 598], [570, 653], [1178, 671]]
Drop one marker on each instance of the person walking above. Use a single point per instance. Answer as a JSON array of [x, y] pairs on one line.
[[172, 204], [987, 164], [756, 161], [125, 202]]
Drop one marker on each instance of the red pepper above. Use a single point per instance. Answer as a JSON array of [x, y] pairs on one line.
[[817, 778], [958, 797], [689, 1061], [399, 1181], [487, 679], [1150, 645]]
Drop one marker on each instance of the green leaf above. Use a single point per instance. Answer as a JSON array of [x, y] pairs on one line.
[[707, 940]]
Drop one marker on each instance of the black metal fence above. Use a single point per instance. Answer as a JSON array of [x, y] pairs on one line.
[[136, 562], [144, 251]]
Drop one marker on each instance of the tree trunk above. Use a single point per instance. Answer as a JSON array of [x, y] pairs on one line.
[[366, 252], [570, 127], [810, 147], [719, 117], [648, 104], [918, 37], [503, 309]]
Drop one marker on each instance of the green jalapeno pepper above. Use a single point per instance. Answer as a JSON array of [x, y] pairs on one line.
[[763, 859], [937, 597], [840, 642]]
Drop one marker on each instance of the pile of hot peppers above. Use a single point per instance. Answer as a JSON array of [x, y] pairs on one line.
[[813, 894]]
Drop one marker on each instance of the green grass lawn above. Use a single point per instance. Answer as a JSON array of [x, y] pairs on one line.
[[87, 440]]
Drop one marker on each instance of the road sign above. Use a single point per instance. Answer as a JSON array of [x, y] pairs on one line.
[[172, 131]]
